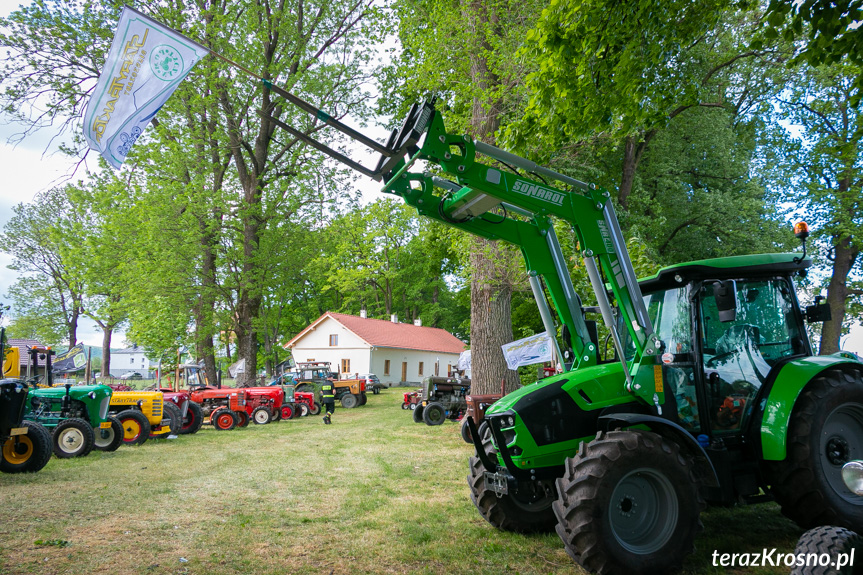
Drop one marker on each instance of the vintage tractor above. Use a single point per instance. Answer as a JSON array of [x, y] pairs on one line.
[[411, 399], [712, 391], [145, 415], [296, 403], [77, 416], [191, 414], [226, 407], [442, 398], [311, 374], [477, 404]]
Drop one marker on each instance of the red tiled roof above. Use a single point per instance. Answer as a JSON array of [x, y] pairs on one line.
[[383, 333]]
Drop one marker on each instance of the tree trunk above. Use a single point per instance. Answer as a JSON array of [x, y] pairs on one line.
[[837, 295], [107, 331]]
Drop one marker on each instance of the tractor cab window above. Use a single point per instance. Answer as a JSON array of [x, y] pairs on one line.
[[739, 354]]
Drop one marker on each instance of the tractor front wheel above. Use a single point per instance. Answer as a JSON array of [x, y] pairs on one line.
[[136, 428], [173, 418], [73, 438], [261, 415], [109, 439], [349, 401], [526, 511], [315, 408], [628, 504], [418, 414], [405, 405], [223, 419], [303, 410], [26, 453], [827, 541], [825, 432], [434, 414], [242, 418], [193, 420]]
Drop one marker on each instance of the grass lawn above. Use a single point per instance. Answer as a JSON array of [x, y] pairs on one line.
[[372, 493]]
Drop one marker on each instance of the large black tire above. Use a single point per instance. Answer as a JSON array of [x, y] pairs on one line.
[[349, 401], [628, 504], [193, 421], [418, 414], [223, 419], [831, 541], [262, 415], [528, 511], [825, 432], [108, 439], [29, 452], [136, 428], [434, 414], [171, 415], [315, 408], [73, 438], [364, 398]]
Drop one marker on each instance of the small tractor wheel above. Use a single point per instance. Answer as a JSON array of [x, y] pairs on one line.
[[825, 432], [315, 408], [242, 418], [26, 453], [405, 405], [827, 540], [171, 415], [109, 439], [223, 419], [413, 406], [418, 414], [349, 401], [434, 414], [528, 511], [303, 410], [193, 420], [136, 428], [628, 504], [277, 415], [287, 411], [73, 438], [261, 415]]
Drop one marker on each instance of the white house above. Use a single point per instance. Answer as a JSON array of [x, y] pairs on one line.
[[131, 359], [395, 352]]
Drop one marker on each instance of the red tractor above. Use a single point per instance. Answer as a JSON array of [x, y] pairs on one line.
[[411, 399], [193, 415], [238, 406]]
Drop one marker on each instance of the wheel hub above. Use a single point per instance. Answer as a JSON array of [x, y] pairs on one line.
[[837, 450]]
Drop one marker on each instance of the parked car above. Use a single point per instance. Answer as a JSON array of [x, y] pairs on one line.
[[372, 382], [132, 375]]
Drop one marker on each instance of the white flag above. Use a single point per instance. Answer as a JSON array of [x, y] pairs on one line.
[[146, 63], [528, 351]]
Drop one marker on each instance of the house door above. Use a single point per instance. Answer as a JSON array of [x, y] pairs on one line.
[[404, 371]]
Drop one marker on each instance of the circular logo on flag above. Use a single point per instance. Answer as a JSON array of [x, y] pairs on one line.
[[166, 62]]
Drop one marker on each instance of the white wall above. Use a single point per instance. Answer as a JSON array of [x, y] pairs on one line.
[[413, 359], [315, 345]]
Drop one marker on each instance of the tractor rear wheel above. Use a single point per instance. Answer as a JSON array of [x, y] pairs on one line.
[[173, 417], [26, 453], [223, 419], [287, 411], [109, 439], [827, 540], [413, 406], [193, 420], [418, 414], [303, 410], [261, 415], [825, 432], [527, 511], [434, 414], [628, 503], [405, 405], [349, 401], [315, 408], [136, 428], [73, 438]]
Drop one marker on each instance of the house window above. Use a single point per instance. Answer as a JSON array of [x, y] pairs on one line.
[[448, 370], [334, 340], [437, 368], [386, 367], [420, 369], [132, 360], [346, 366]]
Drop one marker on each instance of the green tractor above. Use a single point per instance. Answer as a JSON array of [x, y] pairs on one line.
[[77, 416], [710, 393]]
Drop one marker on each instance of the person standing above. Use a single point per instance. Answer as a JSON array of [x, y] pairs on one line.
[[328, 398]]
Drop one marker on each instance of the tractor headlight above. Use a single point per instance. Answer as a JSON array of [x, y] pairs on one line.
[[852, 475]]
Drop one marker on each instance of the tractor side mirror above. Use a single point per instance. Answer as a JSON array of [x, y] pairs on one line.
[[725, 293], [818, 312]]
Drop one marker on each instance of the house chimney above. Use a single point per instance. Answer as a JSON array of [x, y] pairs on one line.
[[363, 313], [418, 322], [394, 318]]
